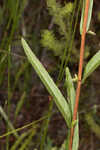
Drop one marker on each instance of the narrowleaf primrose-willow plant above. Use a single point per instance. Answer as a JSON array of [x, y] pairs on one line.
[[68, 108]]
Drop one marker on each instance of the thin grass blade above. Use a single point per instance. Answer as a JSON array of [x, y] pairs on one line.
[[23, 127], [3, 114], [3, 59], [20, 104], [27, 141], [19, 141]]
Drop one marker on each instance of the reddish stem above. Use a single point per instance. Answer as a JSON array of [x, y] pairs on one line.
[[79, 71]]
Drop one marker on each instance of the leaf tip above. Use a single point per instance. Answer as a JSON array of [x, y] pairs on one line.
[[22, 40]]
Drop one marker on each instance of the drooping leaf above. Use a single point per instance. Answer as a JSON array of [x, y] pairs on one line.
[[93, 63], [49, 83], [89, 15]]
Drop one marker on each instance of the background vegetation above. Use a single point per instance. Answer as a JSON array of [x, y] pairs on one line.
[[23, 98]]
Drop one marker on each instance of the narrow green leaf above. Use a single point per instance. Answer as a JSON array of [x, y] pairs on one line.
[[93, 63], [70, 89], [3, 59], [19, 73], [93, 125], [19, 141], [67, 140], [3, 114], [76, 136], [23, 127], [49, 83], [71, 97], [28, 140], [20, 104], [89, 16]]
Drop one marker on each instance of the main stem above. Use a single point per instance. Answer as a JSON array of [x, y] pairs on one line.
[[79, 71]]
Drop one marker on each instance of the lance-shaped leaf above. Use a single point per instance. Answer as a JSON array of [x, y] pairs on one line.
[[49, 83], [71, 97], [76, 136], [89, 15], [93, 63], [70, 89]]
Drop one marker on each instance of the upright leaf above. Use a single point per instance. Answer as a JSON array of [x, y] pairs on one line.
[[71, 97], [70, 89], [89, 15], [49, 83], [76, 136], [91, 65]]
